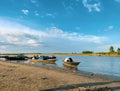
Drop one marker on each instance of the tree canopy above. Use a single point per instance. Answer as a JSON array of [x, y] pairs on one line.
[[111, 49]]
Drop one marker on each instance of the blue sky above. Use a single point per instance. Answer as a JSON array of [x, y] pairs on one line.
[[50, 26]]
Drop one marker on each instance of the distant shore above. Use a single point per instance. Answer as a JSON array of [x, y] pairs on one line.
[[26, 77], [63, 54]]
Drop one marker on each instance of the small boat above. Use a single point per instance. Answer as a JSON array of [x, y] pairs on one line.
[[44, 59], [69, 62], [18, 57]]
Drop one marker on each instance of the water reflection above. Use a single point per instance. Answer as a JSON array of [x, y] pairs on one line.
[[70, 68], [49, 64]]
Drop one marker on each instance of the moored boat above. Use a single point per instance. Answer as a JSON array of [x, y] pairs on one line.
[[44, 59], [69, 62], [18, 57]]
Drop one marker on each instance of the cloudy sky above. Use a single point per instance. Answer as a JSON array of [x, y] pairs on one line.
[[50, 26]]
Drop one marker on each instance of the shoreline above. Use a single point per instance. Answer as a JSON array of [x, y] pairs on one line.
[[97, 75], [63, 54], [27, 77], [81, 72]]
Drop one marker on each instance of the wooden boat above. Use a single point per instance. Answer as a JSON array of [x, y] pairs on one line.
[[69, 62], [44, 59], [49, 61]]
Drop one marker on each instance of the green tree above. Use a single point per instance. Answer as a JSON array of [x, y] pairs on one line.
[[111, 49], [87, 52], [118, 50]]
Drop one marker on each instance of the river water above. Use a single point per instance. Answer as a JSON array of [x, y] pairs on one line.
[[93, 64]]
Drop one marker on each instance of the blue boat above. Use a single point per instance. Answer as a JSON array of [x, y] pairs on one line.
[[45, 59]]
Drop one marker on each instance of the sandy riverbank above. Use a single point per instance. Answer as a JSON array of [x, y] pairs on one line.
[[23, 77]]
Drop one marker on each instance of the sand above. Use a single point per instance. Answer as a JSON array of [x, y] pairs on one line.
[[26, 77]]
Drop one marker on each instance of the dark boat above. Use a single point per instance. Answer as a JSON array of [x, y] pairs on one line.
[[18, 57]]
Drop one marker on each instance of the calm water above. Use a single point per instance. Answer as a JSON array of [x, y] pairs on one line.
[[94, 64]]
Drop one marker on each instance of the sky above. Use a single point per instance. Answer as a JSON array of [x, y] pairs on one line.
[[54, 26]]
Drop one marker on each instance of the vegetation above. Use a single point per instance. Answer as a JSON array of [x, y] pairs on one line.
[[111, 49], [87, 52], [111, 52], [118, 50]]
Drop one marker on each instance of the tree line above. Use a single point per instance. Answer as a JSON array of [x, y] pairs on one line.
[[111, 50]]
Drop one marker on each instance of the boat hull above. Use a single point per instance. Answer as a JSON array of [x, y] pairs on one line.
[[44, 61], [16, 58], [71, 64]]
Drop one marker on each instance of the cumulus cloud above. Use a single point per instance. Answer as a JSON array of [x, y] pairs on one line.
[[31, 36], [91, 7], [25, 11], [73, 36], [14, 35]]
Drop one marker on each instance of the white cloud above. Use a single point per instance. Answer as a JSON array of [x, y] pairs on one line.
[[3, 47], [77, 28], [110, 27], [91, 7], [117, 1], [55, 32], [16, 37], [36, 13], [25, 11], [33, 1], [50, 15], [33, 42], [68, 5]]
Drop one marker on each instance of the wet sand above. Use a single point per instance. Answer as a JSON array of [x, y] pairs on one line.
[[26, 77]]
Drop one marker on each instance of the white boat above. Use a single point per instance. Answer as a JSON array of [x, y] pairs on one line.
[[69, 62]]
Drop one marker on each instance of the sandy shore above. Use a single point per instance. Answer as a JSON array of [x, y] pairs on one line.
[[24, 77]]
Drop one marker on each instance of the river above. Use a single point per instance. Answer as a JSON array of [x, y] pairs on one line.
[[93, 64]]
